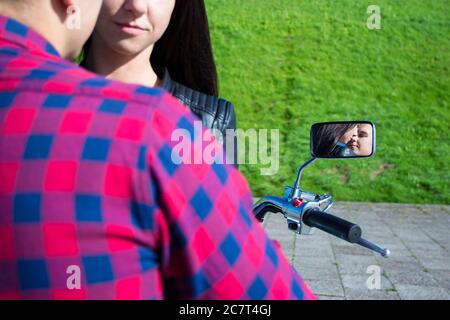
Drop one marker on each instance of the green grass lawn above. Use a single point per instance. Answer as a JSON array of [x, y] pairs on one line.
[[286, 64]]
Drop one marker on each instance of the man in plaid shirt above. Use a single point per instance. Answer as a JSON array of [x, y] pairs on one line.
[[88, 185]]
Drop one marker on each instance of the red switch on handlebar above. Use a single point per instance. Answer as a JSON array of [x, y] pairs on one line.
[[297, 202]]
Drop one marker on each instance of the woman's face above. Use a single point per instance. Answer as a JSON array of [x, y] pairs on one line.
[[364, 140], [350, 138], [131, 26]]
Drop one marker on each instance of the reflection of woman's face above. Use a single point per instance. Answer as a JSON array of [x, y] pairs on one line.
[[364, 140], [131, 26], [350, 138]]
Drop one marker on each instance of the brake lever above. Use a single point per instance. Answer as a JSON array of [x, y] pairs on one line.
[[384, 252]]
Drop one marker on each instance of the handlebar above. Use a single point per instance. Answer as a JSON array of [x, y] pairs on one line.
[[334, 225], [317, 218]]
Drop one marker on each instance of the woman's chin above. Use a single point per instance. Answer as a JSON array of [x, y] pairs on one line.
[[127, 47]]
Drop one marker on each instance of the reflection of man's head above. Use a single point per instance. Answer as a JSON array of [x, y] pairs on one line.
[[364, 140]]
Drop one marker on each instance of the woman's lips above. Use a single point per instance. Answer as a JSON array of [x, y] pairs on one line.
[[352, 145], [131, 29]]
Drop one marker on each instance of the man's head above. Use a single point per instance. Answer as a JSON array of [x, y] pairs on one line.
[[66, 24], [365, 140]]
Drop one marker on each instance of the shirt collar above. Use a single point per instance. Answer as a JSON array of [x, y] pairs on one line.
[[18, 33]]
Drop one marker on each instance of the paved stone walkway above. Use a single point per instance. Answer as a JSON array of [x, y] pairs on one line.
[[417, 235]]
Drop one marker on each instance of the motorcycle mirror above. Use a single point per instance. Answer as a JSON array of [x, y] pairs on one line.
[[343, 139]]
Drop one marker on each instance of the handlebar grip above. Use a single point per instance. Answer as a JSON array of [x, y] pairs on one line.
[[334, 225]]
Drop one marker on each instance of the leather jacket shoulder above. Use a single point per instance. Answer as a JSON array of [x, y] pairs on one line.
[[215, 113]]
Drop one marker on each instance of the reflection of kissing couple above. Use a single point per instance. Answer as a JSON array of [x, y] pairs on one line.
[[343, 140]]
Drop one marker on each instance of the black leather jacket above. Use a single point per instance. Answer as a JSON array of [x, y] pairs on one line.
[[215, 113]]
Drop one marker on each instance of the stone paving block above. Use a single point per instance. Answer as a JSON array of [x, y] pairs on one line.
[[278, 230], [440, 237], [361, 294], [354, 264], [436, 253], [352, 250], [430, 246], [327, 297], [424, 279], [307, 244], [280, 234], [319, 273], [445, 245], [359, 281], [388, 266], [441, 215], [418, 237], [436, 263], [407, 235], [325, 287], [312, 252], [315, 240], [412, 292], [315, 235], [313, 262], [308, 249], [442, 277]]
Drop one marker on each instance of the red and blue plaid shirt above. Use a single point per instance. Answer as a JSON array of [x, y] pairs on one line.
[[86, 180]]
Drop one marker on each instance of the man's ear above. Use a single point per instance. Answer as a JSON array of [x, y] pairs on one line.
[[68, 3], [72, 17], [65, 5]]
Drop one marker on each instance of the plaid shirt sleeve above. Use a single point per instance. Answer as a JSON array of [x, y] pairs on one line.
[[90, 190], [212, 247]]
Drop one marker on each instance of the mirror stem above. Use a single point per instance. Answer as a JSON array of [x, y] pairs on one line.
[[295, 193]]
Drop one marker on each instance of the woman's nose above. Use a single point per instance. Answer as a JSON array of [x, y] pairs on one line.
[[137, 7]]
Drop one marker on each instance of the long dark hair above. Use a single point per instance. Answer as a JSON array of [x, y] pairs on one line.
[[326, 136], [185, 49]]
